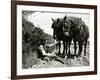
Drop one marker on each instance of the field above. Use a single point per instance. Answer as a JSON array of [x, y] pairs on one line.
[[68, 62], [33, 36]]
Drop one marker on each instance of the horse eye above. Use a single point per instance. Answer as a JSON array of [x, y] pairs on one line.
[[66, 24]]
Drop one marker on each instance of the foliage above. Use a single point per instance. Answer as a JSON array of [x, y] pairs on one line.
[[25, 14], [29, 59], [31, 36], [49, 39], [31, 39]]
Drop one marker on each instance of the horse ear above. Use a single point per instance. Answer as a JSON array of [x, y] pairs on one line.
[[65, 17], [80, 18], [53, 20], [58, 20]]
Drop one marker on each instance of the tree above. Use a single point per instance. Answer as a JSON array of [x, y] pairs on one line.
[[31, 40]]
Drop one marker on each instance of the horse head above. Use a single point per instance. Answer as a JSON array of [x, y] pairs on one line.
[[83, 27], [66, 26], [57, 27], [81, 24]]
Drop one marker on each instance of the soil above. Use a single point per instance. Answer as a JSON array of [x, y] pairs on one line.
[[67, 62]]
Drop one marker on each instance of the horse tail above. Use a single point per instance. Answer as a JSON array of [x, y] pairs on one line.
[[85, 27]]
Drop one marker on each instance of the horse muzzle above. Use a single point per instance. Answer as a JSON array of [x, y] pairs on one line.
[[54, 36], [67, 33]]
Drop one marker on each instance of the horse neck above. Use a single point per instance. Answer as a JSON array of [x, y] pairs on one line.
[[59, 34]]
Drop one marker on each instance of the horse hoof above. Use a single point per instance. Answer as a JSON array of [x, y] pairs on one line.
[[78, 56], [66, 57], [62, 56]]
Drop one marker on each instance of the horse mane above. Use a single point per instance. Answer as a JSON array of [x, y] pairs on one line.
[[85, 27]]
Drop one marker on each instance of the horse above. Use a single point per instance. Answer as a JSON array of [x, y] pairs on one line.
[[79, 30], [59, 35]]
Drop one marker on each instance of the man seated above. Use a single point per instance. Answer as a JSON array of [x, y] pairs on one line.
[[49, 56], [41, 48]]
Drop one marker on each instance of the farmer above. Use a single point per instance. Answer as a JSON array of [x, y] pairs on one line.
[[41, 48], [49, 56]]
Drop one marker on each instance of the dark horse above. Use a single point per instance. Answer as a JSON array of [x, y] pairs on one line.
[[79, 32], [60, 35]]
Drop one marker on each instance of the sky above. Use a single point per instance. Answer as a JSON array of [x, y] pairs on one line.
[[44, 19]]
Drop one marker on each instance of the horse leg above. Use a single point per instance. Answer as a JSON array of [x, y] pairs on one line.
[[59, 47], [85, 48], [63, 47], [80, 49], [66, 47], [69, 47], [75, 47]]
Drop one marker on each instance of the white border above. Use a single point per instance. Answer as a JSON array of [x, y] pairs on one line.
[[21, 71]]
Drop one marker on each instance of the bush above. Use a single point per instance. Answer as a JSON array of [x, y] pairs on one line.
[[31, 39], [29, 59]]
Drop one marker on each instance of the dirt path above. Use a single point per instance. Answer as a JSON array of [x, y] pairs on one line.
[[76, 62], [68, 63]]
